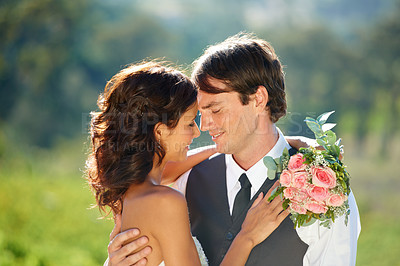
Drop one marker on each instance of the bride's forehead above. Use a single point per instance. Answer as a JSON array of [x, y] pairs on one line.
[[192, 111]]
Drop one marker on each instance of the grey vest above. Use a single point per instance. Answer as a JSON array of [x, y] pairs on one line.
[[211, 221]]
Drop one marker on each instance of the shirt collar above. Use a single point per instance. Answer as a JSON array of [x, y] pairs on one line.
[[258, 172]]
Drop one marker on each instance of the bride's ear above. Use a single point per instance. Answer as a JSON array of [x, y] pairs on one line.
[[160, 131]]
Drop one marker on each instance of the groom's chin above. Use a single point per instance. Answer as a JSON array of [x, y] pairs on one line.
[[221, 148]]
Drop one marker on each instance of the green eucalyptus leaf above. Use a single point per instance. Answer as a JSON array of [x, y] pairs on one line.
[[337, 150], [310, 221], [321, 142], [324, 117], [310, 119], [314, 126], [338, 142], [331, 137], [271, 174], [330, 159], [279, 166], [285, 152], [326, 223], [269, 162], [328, 126], [323, 137]]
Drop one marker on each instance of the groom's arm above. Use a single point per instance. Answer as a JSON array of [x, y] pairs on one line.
[[334, 246]]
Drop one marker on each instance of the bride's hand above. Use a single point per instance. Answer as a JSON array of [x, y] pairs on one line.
[[263, 217]]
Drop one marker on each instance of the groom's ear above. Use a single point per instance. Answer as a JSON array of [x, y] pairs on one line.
[[261, 98]]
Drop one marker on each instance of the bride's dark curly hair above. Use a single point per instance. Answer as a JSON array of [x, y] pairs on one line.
[[124, 145]]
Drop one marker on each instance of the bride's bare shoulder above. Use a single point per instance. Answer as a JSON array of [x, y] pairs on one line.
[[165, 196], [159, 202]]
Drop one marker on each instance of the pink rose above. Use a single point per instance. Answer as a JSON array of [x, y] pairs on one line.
[[289, 192], [286, 178], [297, 208], [300, 195], [316, 207], [296, 162], [318, 193], [323, 177], [299, 179], [336, 199]]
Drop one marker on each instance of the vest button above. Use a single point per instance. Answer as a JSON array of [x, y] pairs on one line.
[[229, 236]]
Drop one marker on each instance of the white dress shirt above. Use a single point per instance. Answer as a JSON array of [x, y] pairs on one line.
[[335, 246]]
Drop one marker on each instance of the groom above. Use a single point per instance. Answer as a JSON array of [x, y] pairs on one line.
[[241, 97]]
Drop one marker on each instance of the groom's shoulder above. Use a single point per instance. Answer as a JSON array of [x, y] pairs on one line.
[[216, 160]]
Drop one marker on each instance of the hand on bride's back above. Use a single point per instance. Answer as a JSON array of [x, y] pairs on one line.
[[263, 217], [122, 253]]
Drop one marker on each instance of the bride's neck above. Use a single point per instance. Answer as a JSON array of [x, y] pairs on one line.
[[156, 172]]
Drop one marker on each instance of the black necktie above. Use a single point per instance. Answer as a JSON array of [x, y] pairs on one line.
[[242, 198]]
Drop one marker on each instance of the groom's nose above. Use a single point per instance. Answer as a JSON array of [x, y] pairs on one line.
[[205, 122]]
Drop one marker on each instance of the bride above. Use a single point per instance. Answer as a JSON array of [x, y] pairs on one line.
[[146, 119]]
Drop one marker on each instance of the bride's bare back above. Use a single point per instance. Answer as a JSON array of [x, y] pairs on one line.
[[161, 214]]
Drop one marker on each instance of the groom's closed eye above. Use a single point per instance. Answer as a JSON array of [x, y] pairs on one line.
[[216, 111]]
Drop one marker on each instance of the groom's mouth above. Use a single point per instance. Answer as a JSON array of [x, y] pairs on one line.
[[187, 147], [215, 137]]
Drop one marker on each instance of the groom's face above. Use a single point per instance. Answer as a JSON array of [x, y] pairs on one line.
[[230, 123]]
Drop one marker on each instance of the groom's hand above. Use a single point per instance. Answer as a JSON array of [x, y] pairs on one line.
[[121, 251]]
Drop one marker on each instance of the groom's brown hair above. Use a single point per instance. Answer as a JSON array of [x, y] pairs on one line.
[[243, 62]]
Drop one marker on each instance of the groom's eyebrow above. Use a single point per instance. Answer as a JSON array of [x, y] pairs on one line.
[[211, 104]]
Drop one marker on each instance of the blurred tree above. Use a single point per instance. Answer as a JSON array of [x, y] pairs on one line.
[[321, 75], [38, 45], [56, 56], [382, 57]]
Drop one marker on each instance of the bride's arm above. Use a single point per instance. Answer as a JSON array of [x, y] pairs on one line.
[[298, 142], [261, 220], [173, 170]]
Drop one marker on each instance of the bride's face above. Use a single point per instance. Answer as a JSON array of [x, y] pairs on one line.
[[176, 141]]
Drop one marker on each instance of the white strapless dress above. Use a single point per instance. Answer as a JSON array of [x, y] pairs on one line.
[[202, 255]]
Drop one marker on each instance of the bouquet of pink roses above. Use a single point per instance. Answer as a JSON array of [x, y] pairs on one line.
[[314, 183]]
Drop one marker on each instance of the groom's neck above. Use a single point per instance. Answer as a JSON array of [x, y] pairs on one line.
[[256, 147]]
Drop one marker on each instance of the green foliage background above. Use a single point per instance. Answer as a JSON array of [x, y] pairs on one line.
[[56, 56]]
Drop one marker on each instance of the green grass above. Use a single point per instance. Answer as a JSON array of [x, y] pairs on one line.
[[379, 242], [44, 217], [376, 184], [45, 220]]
